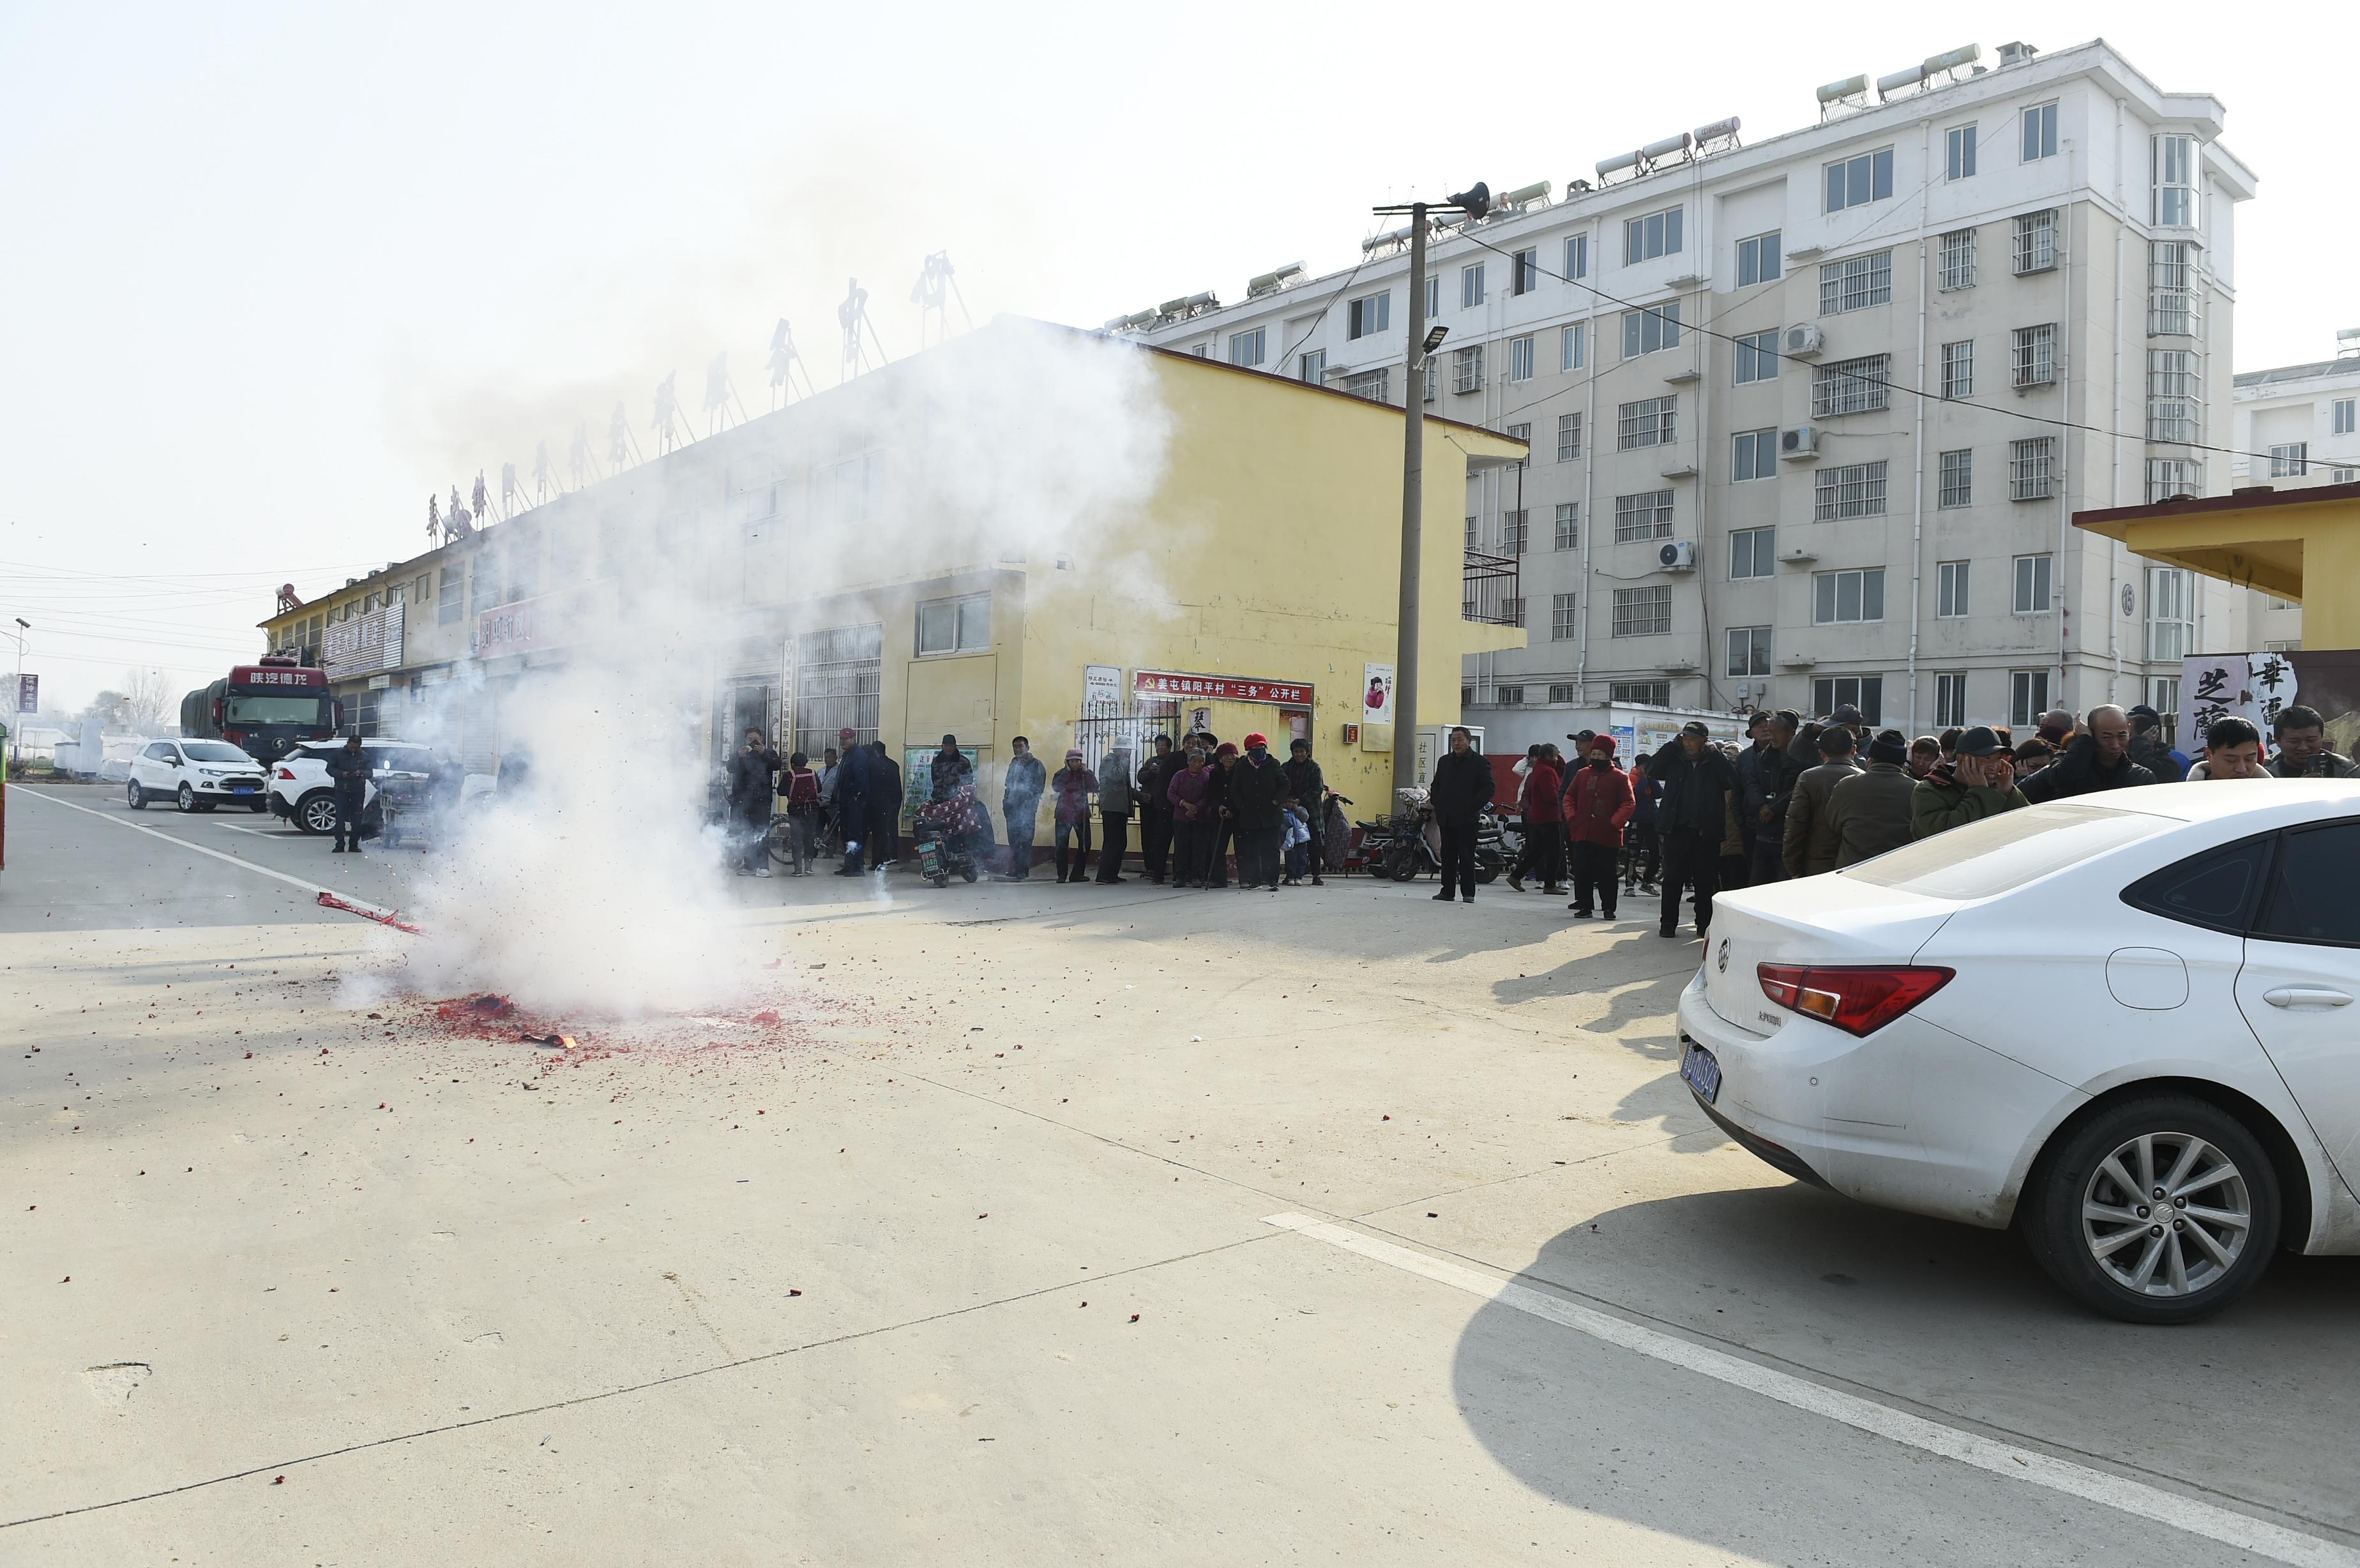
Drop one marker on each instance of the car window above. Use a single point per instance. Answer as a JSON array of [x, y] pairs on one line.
[[2000, 854], [405, 759], [2311, 899], [2215, 889], [159, 753]]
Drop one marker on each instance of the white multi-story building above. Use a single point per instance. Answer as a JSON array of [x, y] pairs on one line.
[[2296, 428], [1810, 417]]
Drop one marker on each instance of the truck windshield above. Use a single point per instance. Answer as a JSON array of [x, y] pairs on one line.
[[279, 708]]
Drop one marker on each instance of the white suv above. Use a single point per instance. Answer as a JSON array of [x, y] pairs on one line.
[[195, 776], [301, 791]]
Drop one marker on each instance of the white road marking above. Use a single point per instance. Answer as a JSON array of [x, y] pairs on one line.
[[192, 848], [2223, 1525]]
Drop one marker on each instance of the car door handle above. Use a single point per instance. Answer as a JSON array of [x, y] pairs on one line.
[[2306, 997]]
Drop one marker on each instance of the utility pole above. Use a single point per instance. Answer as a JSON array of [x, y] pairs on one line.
[[1413, 518]]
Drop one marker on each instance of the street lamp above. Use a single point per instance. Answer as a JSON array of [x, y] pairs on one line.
[[1475, 201]]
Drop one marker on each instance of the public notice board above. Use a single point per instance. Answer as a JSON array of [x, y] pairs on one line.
[[1220, 688]]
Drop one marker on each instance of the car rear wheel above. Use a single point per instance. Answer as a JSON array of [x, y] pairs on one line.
[[2162, 1209], [186, 799], [135, 797], [316, 812]]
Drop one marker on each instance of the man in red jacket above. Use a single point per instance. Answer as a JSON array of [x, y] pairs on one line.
[[1598, 802], [1544, 818]]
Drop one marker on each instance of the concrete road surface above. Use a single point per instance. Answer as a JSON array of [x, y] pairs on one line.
[[1044, 1225]]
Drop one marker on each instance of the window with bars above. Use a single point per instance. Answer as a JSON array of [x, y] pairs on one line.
[[1749, 651], [1431, 375], [1247, 347], [1758, 357], [1957, 479], [1515, 529], [1645, 516], [2032, 358], [1855, 283], [1509, 696], [1643, 612], [1572, 345], [1577, 256], [2289, 460], [1473, 536], [1959, 153], [2169, 478], [2171, 614], [1520, 358], [2027, 696], [1566, 692], [1569, 437], [1312, 367], [1852, 386], [2172, 169], [1957, 260], [1757, 259], [1568, 525], [1642, 694], [1376, 385], [1949, 699], [2171, 301], [1648, 330], [1841, 598], [2036, 242], [1650, 421], [838, 679], [1511, 611], [2175, 409], [1470, 286], [1521, 433], [2032, 584], [2039, 133], [1753, 454], [1368, 316], [1467, 369], [1658, 233], [1857, 181], [2032, 468], [1855, 490], [1951, 581], [1527, 271], [1753, 552], [1865, 693], [1959, 368], [1565, 618]]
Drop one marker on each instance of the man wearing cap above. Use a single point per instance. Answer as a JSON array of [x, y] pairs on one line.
[[1769, 791], [1019, 804], [1848, 716], [2148, 748], [1979, 782], [852, 792], [885, 805], [1114, 812], [1074, 784], [1868, 814], [1699, 784], [1808, 846], [1256, 785], [1155, 810], [1463, 785], [2099, 758], [1598, 803], [1307, 787]]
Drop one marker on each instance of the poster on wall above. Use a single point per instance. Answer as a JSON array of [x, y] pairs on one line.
[[1377, 694], [1101, 690], [2257, 687], [918, 773]]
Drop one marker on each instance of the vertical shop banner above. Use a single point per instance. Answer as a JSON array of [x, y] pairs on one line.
[[1377, 694], [28, 693]]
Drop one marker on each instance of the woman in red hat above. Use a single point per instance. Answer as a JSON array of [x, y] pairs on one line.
[[1598, 802]]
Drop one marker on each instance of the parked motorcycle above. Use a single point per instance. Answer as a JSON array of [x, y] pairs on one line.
[[1407, 844]]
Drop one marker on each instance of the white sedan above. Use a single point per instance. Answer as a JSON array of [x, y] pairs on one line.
[[2121, 1023]]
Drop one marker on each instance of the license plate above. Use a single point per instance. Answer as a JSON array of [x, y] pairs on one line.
[[241, 789], [1700, 1069]]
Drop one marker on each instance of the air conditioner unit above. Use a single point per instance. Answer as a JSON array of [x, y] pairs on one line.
[[1800, 442], [1804, 341], [1679, 555]]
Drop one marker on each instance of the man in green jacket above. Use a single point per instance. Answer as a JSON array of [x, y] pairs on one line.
[[1981, 783], [1870, 813]]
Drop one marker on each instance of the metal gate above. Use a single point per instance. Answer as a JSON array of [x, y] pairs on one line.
[[1135, 732]]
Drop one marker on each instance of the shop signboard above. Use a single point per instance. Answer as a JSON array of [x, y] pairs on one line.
[[363, 644], [1220, 688]]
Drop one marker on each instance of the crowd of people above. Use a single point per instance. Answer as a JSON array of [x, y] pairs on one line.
[[1701, 816]]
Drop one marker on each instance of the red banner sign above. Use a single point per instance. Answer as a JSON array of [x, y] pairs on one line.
[[1220, 688]]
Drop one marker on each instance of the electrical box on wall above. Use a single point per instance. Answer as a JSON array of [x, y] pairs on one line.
[[1351, 735]]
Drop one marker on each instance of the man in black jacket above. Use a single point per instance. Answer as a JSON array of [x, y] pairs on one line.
[[753, 796], [1256, 784], [1769, 789], [348, 771], [1692, 822], [2099, 758], [853, 777], [1156, 808], [1307, 787], [885, 805], [1463, 785]]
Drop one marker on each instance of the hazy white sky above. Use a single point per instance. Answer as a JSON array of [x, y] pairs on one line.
[[275, 273]]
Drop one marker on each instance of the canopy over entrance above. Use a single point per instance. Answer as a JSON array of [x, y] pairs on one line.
[[2302, 545]]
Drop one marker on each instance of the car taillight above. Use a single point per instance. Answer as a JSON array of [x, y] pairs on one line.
[[1857, 999], [287, 774]]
